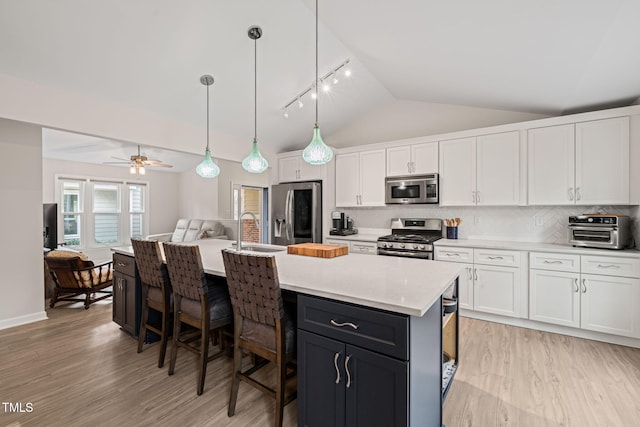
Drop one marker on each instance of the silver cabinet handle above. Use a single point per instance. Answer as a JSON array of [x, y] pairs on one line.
[[571, 193], [477, 197], [578, 195], [121, 264], [584, 286], [495, 257], [576, 283], [546, 261], [451, 254], [409, 167], [335, 363], [346, 368], [340, 325], [469, 273], [473, 196], [475, 273], [608, 266]]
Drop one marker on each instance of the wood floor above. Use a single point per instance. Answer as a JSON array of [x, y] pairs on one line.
[[79, 369]]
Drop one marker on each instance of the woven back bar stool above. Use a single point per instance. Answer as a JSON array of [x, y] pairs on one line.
[[262, 326], [156, 293], [198, 302]]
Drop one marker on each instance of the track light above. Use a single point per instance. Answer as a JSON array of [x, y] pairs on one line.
[[285, 114], [333, 73], [347, 72]]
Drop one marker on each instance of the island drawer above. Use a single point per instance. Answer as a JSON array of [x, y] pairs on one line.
[[610, 266], [555, 262], [124, 264], [376, 330]]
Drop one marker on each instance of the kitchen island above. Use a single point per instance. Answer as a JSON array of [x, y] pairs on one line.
[[370, 335]]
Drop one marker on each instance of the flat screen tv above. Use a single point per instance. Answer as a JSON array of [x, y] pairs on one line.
[[50, 225]]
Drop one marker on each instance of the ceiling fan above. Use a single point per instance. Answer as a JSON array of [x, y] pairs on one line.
[[137, 163]]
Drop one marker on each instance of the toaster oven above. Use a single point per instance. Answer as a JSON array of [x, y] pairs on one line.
[[600, 231]]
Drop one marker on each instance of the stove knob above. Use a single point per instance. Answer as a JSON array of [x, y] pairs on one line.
[[421, 247], [402, 245], [415, 246]]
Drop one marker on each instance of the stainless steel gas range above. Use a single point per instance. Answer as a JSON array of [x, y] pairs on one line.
[[411, 237]]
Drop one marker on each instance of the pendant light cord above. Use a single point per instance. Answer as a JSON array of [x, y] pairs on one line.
[[316, 62], [207, 117], [255, 89]]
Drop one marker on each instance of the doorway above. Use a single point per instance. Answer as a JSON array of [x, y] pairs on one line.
[[255, 200]]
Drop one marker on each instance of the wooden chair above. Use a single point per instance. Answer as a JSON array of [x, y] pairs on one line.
[[78, 279], [261, 324], [156, 293], [198, 302]]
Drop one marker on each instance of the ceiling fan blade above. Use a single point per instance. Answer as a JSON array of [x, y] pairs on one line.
[[160, 165], [116, 163], [120, 158]]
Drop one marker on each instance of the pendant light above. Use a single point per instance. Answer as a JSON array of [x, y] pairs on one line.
[[207, 168], [317, 152], [254, 162]]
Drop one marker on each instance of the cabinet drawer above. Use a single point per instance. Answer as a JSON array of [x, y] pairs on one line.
[[370, 248], [376, 330], [609, 266], [497, 257], [124, 264], [454, 254], [555, 262]]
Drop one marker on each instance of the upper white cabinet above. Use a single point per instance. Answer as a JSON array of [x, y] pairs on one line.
[[417, 159], [360, 178], [291, 167], [481, 170], [584, 163]]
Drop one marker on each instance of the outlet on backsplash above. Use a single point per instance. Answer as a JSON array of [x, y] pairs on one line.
[[476, 219], [539, 220]]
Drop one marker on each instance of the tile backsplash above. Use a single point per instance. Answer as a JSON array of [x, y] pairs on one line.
[[520, 223]]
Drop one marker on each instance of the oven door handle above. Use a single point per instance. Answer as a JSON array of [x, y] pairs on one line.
[[593, 227], [404, 254]]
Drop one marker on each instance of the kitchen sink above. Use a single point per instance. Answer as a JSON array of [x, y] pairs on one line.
[[252, 248]]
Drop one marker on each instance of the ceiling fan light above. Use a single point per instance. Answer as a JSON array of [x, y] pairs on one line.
[[317, 152], [207, 168], [141, 170], [133, 170], [254, 162]]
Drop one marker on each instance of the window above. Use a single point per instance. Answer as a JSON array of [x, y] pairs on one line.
[[72, 208], [98, 213]]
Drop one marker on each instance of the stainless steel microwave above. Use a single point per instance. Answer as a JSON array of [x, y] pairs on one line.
[[412, 189]]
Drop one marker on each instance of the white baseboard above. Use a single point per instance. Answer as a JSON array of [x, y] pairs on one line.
[[23, 320]]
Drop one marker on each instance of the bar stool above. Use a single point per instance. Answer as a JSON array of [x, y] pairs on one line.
[[156, 293], [261, 324], [206, 308]]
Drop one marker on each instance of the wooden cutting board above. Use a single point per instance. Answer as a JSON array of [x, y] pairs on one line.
[[318, 250]]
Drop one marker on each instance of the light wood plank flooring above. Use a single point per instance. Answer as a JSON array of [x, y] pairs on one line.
[[79, 369]]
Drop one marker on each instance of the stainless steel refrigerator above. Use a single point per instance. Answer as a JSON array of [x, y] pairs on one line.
[[297, 213]]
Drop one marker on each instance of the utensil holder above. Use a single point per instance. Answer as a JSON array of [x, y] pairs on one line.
[[452, 232]]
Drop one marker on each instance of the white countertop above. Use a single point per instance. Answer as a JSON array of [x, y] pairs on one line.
[[535, 246], [363, 235], [401, 285]]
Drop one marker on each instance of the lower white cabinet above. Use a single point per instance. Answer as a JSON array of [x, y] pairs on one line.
[[491, 283], [605, 302], [355, 246]]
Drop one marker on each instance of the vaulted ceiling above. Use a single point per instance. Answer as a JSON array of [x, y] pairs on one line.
[[538, 56]]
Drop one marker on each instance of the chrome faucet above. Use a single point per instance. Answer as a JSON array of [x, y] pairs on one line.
[[239, 236]]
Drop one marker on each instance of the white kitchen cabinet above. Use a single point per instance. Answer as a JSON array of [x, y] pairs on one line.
[[417, 159], [585, 163], [360, 178], [291, 167], [491, 283], [554, 297], [356, 246], [483, 170], [608, 302]]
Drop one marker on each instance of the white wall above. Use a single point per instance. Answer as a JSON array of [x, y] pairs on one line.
[[402, 119], [21, 257]]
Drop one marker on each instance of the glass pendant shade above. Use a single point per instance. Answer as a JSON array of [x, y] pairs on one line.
[[317, 152], [254, 162], [207, 168]]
